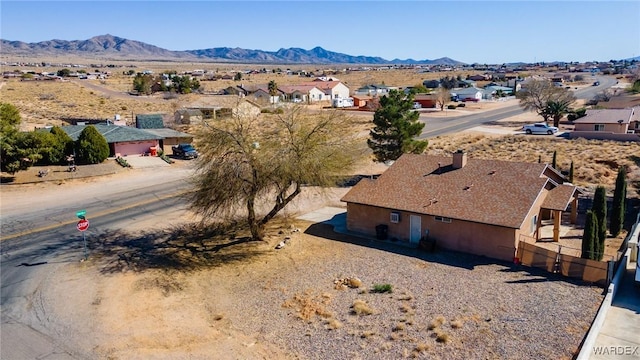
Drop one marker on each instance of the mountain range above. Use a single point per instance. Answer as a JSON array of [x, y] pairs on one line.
[[113, 47]]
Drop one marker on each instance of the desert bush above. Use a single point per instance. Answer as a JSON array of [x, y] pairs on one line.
[[47, 97], [437, 322], [123, 162], [360, 307], [462, 105], [442, 337], [451, 107], [382, 288]]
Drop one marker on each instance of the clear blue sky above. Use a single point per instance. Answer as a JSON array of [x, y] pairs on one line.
[[467, 31]]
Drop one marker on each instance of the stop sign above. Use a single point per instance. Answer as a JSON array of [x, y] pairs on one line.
[[83, 225]]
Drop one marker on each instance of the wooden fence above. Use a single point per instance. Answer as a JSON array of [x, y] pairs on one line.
[[592, 271]]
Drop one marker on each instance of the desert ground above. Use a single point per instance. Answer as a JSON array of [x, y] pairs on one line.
[[174, 290]]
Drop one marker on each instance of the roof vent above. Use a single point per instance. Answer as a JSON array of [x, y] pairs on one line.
[[492, 172], [467, 188]]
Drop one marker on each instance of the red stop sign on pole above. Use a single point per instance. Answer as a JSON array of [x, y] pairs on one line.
[[83, 225]]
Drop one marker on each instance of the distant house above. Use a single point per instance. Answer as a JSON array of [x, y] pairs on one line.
[[468, 93], [301, 93], [219, 106], [463, 204], [613, 124], [431, 84], [425, 100], [371, 89], [188, 116], [491, 92], [361, 100], [478, 77], [331, 89]]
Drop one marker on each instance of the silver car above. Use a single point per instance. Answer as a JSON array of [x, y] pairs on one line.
[[540, 128]]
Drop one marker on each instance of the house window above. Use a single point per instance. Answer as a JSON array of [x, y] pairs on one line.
[[442, 219], [598, 127], [395, 217]]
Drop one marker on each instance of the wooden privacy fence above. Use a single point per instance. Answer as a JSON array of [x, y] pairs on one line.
[[592, 271]]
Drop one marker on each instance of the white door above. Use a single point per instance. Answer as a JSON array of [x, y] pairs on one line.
[[416, 229]]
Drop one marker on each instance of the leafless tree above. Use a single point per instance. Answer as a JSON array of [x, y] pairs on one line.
[[442, 97], [537, 94], [266, 159]]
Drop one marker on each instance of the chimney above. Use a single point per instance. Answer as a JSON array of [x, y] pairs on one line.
[[459, 159]]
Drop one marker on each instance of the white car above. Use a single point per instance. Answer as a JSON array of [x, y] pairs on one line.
[[540, 128]]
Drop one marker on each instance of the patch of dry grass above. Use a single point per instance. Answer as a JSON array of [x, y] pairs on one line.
[[308, 306], [360, 307], [595, 161]]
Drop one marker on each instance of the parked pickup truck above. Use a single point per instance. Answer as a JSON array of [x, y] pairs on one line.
[[540, 128], [185, 151]]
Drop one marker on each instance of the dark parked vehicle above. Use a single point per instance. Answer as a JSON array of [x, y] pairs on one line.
[[185, 151]]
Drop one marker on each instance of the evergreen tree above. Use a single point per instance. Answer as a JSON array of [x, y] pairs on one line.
[[589, 236], [599, 208], [396, 125], [618, 206], [554, 160], [63, 145], [571, 172], [91, 147]]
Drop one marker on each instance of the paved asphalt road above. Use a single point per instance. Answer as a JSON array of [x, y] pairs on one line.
[[38, 238], [452, 124]]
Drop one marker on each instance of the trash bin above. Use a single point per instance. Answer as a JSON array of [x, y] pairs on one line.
[[153, 151], [382, 231]]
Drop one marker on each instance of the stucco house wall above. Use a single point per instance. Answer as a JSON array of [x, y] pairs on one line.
[[133, 147], [459, 235]]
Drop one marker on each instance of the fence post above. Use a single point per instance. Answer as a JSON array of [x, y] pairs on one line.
[[610, 267]]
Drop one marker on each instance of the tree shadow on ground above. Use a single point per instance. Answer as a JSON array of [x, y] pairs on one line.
[[186, 247]]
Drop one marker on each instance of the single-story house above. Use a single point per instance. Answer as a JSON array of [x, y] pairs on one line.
[[122, 140], [216, 106], [360, 100], [331, 89], [373, 89], [154, 124], [468, 93], [463, 204], [613, 124], [425, 100], [301, 93], [492, 91], [188, 116]]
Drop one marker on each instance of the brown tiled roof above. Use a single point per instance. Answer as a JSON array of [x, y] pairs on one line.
[[485, 191], [559, 197], [605, 116]]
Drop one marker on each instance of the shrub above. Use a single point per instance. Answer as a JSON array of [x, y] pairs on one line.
[[360, 307], [462, 105], [382, 288], [451, 107], [122, 162]]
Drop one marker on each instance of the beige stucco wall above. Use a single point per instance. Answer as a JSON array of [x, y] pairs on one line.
[[614, 128], [475, 238]]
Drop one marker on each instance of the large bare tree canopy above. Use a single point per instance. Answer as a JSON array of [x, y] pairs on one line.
[[537, 95], [246, 161]]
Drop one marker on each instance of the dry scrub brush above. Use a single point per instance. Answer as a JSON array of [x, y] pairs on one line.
[[595, 161]]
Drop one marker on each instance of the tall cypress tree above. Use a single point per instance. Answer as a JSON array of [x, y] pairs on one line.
[[589, 236], [571, 172], [555, 160], [599, 208], [618, 208]]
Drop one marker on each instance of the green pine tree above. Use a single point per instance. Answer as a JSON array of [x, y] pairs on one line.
[[554, 160], [589, 236], [600, 210], [91, 146], [618, 206], [396, 126]]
